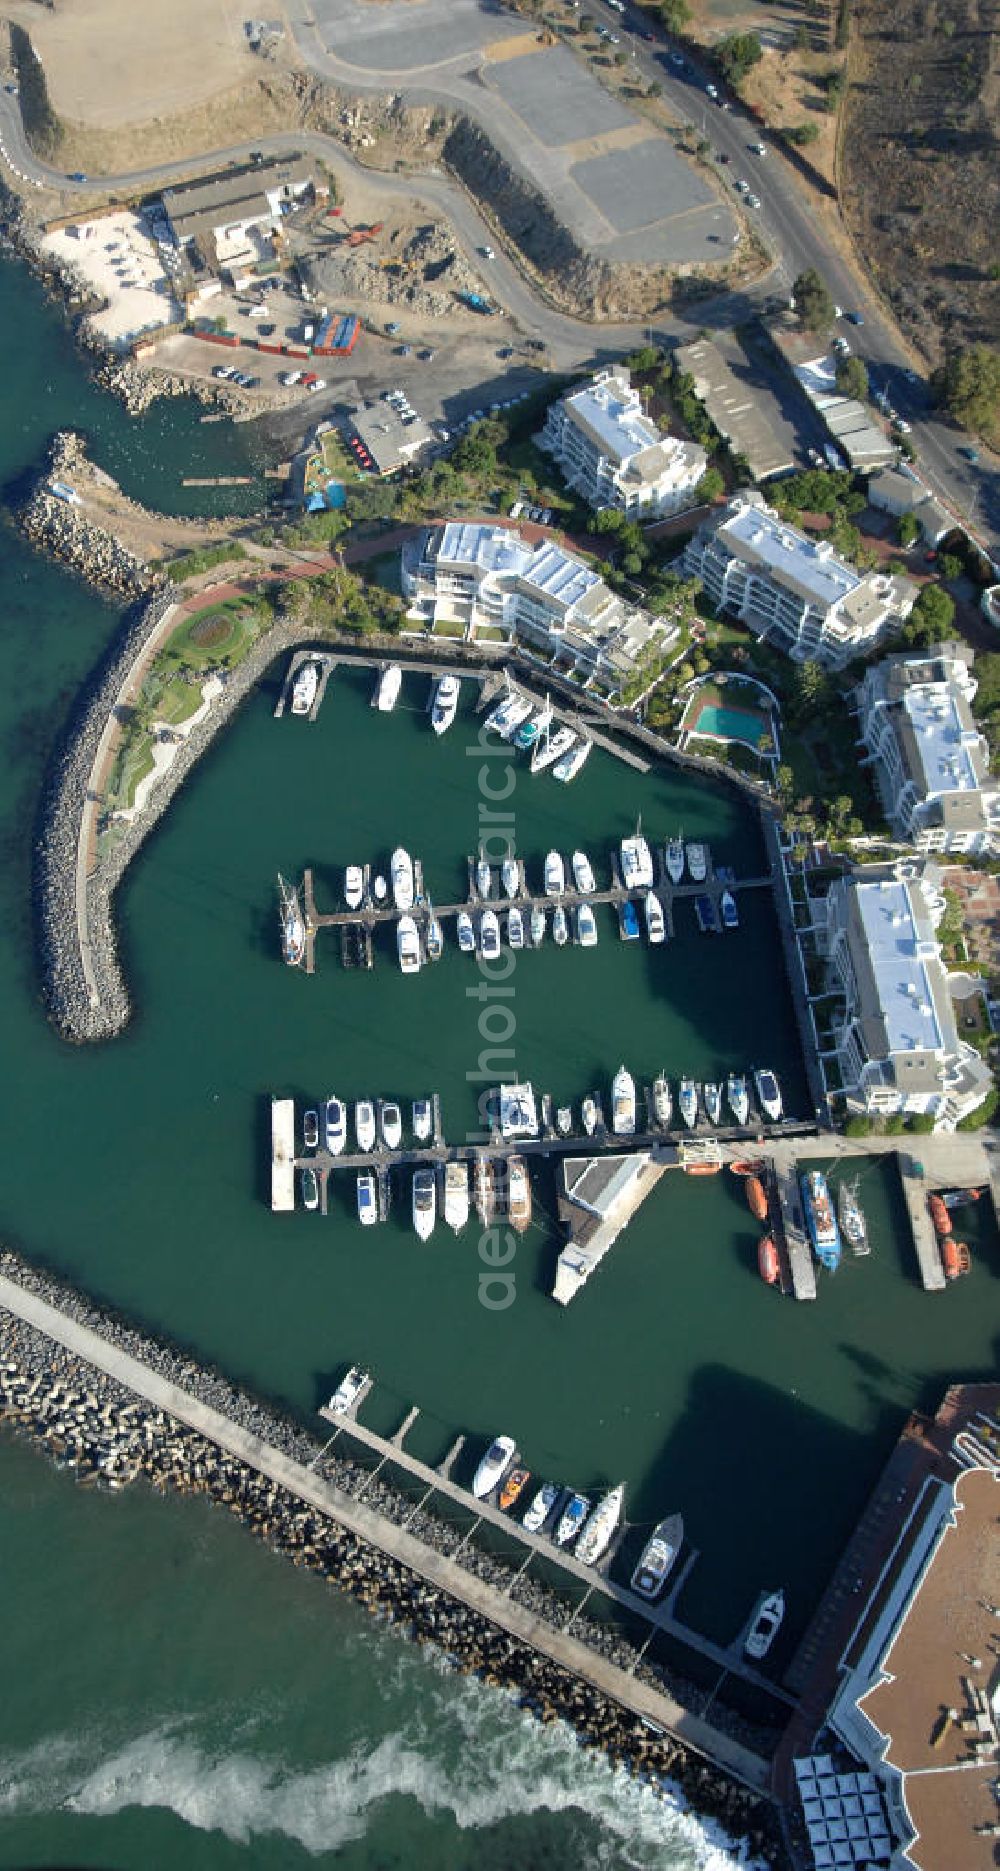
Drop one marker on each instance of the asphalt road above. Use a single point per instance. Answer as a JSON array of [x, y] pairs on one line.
[[787, 222]]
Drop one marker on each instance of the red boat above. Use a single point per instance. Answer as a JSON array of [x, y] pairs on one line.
[[939, 1215], [955, 1257], [756, 1198], [747, 1166], [767, 1259], [702, 1169]]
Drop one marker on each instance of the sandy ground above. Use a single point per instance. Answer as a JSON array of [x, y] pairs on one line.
[[116, 257], [149, 535], [112, 62]]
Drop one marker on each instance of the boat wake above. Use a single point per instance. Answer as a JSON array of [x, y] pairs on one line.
[[484, 1764]]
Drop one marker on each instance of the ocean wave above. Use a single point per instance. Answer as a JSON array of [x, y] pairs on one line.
[[500, 1770]]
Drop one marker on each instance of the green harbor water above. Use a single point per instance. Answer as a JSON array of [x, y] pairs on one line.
[[180, 1697]]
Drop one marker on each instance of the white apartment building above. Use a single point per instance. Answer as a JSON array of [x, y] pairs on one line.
[[896, 1046], [930, 760], [476, 574], [795, 592], [615, 456]]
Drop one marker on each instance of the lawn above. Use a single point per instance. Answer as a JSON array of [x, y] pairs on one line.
[[180, 699], [221, 634]]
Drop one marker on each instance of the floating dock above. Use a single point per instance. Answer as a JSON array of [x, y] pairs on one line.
[[599, 1197], [916, 1189], [282, 1155]]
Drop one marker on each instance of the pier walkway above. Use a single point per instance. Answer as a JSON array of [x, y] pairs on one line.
[[446, 1574]]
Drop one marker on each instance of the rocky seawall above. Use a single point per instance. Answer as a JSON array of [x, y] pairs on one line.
[[60, 527], [96, 1426]]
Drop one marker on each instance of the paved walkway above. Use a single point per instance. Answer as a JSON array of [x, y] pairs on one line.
[[435, 1568]]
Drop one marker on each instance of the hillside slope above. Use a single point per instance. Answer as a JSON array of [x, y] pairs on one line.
[[920, 167]]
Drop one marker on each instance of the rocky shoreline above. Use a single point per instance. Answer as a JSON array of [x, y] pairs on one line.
[[61, 528], [103, 1432]]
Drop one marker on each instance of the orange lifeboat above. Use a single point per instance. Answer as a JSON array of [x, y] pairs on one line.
[[767, 1259], [747, 1166], [951, 1259], [939, 1215], [702, 1169], [756, 1198]]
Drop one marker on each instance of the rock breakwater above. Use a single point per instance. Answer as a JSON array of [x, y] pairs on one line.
[[60, 527], [95, 1425]]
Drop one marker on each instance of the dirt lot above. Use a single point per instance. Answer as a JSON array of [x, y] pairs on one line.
[[921, 163], [114, 62]]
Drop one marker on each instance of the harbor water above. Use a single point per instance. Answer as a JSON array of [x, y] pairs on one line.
[[182, 1697]]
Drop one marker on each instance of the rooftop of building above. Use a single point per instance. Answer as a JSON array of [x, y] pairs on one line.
[[948, 1765], [610, 412], [229, 191], [903, 951], [546, 568], [950, 757], [809, 567], [598, 1184], [388, 439], [735, 410]]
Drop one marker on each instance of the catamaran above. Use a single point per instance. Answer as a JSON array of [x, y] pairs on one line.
[[498, 718], [551, 747], [560, 926], [658, 1557], [408, 945], [364, 1125], [569, 766], [555, 874], [390, 1119], [656, 928], [304, 688], [489, 935], [456, 1195], [424, 1203], [663, 1104], [466, 932], [673, 856], [422, 1115], [688, 1102], [586, 927], [515, 929], [537, 927], [583, 875], [738, 1097], [493, 1466], [601, 1527], [445, 705], [401, 871], [572, 1518], [334, 1126], [768, 1093], [531, 731], [387, 691], [519, 711], [697, 863], [367, 1204], [623, 1103], [354, 886], [637, 862]]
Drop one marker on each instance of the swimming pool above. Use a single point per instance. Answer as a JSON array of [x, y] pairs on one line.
[[729, 724]]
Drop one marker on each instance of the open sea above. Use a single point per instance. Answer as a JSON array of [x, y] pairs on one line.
[[175, 1696]]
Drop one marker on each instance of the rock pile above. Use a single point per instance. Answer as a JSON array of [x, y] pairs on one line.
[[94, 1425], [64, 530]]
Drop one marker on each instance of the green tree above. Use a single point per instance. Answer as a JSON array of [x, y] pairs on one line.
[[800, 134], [607, 520], [812, 300], [907, 529], [931, 618], [843, 29], [736, 55], [784, 780], [921, 1123], [968, 387], [710, 486], [858, 1126], [802, 40], [810, 689], [675, 14], [852, 378], [949, 565]]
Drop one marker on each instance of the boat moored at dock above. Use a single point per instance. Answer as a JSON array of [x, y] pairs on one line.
[[588, 1115], [518, 1193], [551, 748], [756, 1195], [673, 858], [335, 1126], [821, 1221], [637, 863], [629, 921], [851, 1216], [658, 1557], [305, 688], [768, 1093], [510, 876], [354, 886], [364, 1125], [730, 913], [712, 1096], [293, 926], [367, 1204], [765, 1626], [422, 1116], [515, 929], [586, 926], [555, 874], [424, 1203], [493, 1467], [623, 1103], [484, 1185], [456, 1195], [310, 1129], [537, 926], [697, 862], [489, 935], [408, 945], [387, 688], [390, 1119], [513, 1487], [349, 1391], [601, 1527], [570, 764], [401, 872], [541, 1507], [484, 875], [768, 1263], [583, 875], [445, 704], [738, 1097], [663, 1104], [466, 933], [656, 928], [310, 1189], [435, 936], [687, 1100], [560, 926], [572, 1518]]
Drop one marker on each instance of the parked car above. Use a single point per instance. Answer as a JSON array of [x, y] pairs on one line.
[[901, 425], [970, 454], [854, 317], [318, 384], [712, 92]]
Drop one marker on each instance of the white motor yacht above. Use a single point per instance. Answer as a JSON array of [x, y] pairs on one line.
[[310, 1129], [623, 1103], [765, 1626], [389, 684], [510, 875], [688, 1101], [493, 1466], [367, 1204], [656, 928], [768, 1093], [334, 1126], [310, 1188], [560, 926], [408, 945], [541, 1507], [456, 1195], [304, 688], [402, 879], [364, 1125], [515, 929], [738, 1097], [572, 1518], [424, 1203], [349, 1391], [445, 704], [663, 1104], [658, 1557], [422, 1116], [489, 935], [583, 875], [390, 1120], [697, 862], [586, 927], [537, 927], [550, 748], [354, 886], [465, 932], [673, 857], [555, 874], [601, 1527], [569, 766], [637, 863], [588, 1114], [380, 889]]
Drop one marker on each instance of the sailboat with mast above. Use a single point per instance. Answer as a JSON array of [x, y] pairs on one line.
[[293, 925]]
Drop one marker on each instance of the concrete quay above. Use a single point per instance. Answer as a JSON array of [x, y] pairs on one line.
[[649, 1705]]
